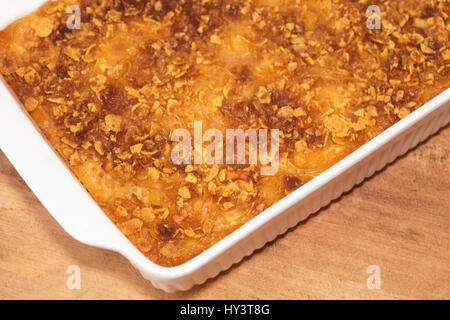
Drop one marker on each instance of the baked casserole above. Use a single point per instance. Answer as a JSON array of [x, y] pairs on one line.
[[109, 90]]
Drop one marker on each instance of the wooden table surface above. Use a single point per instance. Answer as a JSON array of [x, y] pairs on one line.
[[399, 220]]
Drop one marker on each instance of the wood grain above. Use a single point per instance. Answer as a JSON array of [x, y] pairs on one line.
[[399, 220]]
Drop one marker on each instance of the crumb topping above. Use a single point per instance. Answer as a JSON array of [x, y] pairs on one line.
[[109, 94]]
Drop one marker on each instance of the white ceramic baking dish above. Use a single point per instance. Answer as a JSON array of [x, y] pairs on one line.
[[74, 209]]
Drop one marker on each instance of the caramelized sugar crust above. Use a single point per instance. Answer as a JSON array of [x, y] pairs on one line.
[[108, 96]]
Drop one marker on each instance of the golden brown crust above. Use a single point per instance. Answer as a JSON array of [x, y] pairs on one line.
[[108, 96]]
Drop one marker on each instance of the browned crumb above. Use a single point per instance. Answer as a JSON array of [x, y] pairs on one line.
[[108, 95]]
